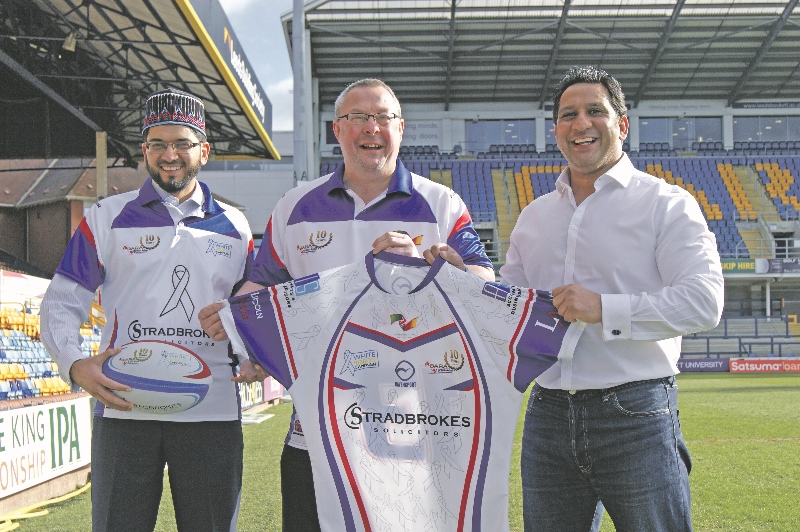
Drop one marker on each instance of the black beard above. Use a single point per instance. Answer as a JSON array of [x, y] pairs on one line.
[[173, 186]]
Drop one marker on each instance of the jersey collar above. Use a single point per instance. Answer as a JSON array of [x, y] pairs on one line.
[[402, 260], [400, 181], [148, 194]]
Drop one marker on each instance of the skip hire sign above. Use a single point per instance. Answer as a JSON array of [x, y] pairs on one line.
[[39, 443]]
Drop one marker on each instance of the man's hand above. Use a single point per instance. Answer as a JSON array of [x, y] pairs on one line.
[[447, 253], [577, 303], [452, 256], [249, 372], [397, 243], [211, 322], [88, 374]]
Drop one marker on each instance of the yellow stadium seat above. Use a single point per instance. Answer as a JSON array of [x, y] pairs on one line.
[[19, 371]]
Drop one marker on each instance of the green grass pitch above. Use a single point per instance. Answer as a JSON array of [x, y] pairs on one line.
[[743, 431]]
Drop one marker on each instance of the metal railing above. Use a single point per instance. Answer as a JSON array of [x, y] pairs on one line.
[[714, 348], [496, 251]]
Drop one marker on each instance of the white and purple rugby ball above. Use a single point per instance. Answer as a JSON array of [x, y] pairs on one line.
[[164, 378]]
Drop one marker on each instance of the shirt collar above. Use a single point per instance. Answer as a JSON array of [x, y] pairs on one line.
[[400, 181], [622, 172], [201, 196]]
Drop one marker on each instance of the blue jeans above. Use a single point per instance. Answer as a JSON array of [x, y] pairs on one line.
[[621, 446]]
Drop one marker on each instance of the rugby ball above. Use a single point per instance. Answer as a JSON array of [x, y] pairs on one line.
[[164, 378]]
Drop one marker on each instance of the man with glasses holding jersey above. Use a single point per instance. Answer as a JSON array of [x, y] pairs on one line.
[[371, 201], [158, 255]]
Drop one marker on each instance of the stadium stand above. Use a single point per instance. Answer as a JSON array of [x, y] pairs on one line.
[[26, 369], [744, 337], [733, 191]]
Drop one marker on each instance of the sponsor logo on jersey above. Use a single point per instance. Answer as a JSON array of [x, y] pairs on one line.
[[218, 248], [306, 285], [404, 371], [355, 416], [180, 293], [558, 321], [138, 355], [509, 295], [298, 428], [288, 294], [256, 306], [359, 360], [402, 322], [138, 331], [453, 361], [174, 359], [416, 239], [146, 243], [316, 242]]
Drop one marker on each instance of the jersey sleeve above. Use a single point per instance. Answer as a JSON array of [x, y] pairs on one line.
[[463, 238], [522, 330], [255, 327], [274, 327], [268, 268], [82, 261]]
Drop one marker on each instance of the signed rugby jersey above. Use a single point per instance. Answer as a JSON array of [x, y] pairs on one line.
[[408, 378], [154, 277], [315, 227]]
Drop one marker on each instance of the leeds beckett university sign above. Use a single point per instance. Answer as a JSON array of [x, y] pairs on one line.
[[765, 365], [39, 443], [703, 364]]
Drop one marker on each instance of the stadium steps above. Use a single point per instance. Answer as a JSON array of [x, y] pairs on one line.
[[752, 240], [444, 177], [756, 193], [505, 196], [794, 329]]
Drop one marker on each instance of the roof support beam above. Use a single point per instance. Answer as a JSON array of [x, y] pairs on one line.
[[656, 57], [562, 23], [50, 93], [765, 46], [450, 44]]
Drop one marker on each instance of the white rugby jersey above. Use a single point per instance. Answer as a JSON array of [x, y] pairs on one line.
[[155, 276], [409, 380], [314, 228]]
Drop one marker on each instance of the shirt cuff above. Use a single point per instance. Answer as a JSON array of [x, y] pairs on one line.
[[228, 323], [616, 316], [66, 358]]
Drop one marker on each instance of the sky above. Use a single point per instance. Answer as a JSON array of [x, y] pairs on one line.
[[257, 25]]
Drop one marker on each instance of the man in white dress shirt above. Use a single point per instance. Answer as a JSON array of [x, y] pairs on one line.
[[631, 258]]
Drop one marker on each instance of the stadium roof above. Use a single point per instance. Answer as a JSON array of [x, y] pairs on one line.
[[458, 51], [74, 67]]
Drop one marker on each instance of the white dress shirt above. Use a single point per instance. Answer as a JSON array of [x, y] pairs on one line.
[[644, 246]]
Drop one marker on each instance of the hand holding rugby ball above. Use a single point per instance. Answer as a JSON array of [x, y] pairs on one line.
[[164, 378]]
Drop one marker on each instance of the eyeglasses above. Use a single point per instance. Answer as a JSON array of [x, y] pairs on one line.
[[178, 147], [359, 119]]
